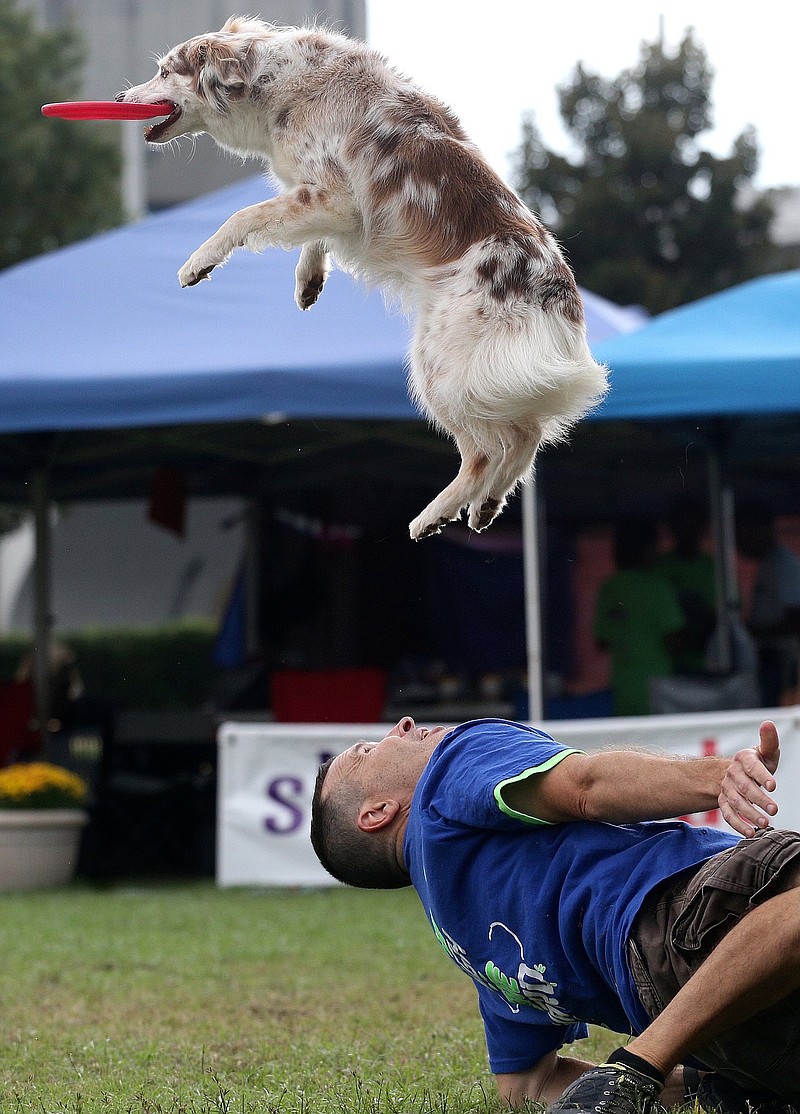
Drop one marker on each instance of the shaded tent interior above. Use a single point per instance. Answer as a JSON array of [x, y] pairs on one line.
[[373, 476]]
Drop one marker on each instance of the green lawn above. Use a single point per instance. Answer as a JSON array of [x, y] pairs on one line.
[[192, 999]]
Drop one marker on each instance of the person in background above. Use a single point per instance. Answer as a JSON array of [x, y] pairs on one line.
[[690, 571], [638, 618], [66, 684], [774, 619]]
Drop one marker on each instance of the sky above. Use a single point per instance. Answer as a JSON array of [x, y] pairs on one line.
[[491, 68]]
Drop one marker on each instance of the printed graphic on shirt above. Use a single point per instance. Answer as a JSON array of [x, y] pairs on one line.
[[528, 986]]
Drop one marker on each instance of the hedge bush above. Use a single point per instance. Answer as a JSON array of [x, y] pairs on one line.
[[169, 666]]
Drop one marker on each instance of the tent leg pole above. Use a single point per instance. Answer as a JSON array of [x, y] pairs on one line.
[[533, 628], [732, 603], [41, 584], [252, 577], [722, 520]]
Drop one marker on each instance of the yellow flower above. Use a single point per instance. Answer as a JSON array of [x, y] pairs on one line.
[[40, 785]]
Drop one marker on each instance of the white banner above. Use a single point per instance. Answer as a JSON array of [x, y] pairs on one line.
[[267, 773]]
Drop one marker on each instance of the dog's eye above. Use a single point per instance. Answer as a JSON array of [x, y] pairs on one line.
[[163, 72]]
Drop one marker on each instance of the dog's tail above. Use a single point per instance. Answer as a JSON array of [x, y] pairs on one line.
[[531, 368]]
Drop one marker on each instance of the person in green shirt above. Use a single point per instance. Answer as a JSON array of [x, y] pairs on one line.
[[638, 618], [691, 573]]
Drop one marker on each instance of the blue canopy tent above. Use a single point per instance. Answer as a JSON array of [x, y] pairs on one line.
[[109, 367], [100, 335], [731, 354]]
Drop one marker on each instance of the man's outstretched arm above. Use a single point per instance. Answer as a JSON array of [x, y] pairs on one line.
[[624, 787]]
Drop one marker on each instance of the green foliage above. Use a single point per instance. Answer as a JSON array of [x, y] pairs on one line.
[[13, 647], [163, 667], [59, 181], [38, 785], [647, 216], [192, 1000]]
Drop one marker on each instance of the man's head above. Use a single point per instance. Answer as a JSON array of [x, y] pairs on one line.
[[361, 804]]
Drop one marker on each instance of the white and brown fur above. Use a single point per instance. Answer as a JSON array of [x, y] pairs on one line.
[[382, 176]]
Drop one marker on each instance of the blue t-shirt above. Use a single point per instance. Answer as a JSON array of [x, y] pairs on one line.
[[537, 914]]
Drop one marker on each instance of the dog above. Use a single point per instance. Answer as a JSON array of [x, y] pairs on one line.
[[381, 176]]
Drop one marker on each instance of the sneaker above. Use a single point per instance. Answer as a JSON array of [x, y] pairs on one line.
[[610, 1089], [723, 1096]]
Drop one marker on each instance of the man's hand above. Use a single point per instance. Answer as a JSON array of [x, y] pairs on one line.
[[744, 798]]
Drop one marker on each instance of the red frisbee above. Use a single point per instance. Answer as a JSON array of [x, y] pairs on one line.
[[107, 110]]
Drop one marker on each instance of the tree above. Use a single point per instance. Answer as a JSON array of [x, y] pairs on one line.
[[59, 181], [646, 215]]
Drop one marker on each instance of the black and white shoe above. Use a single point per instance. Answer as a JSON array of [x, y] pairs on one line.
[[610, 1089]]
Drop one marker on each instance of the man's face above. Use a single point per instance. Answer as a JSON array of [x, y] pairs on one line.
[[391, 767]]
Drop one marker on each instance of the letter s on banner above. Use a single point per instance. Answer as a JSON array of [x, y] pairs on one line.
[[266, 776], [286, 792]]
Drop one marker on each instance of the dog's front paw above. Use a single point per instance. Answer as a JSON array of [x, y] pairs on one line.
[[483, 514], [194, 271], [425, 527], [306, 294]]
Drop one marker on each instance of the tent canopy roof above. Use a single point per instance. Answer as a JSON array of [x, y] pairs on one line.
[[100, 334], [732, 353], [99, 338]]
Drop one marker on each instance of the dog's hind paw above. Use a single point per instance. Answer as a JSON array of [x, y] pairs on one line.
[[481, 515], [307, 295]]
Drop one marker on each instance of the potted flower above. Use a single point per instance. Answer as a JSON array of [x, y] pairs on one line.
[[41, 817]]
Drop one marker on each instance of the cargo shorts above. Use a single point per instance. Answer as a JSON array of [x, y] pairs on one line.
[[683, 920]]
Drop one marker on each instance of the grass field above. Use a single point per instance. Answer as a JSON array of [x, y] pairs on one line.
[[189, 999]]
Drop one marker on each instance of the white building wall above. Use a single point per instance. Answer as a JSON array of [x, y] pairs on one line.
[[111, 566]]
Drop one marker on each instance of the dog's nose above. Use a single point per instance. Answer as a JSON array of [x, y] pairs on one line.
[[120, 96]]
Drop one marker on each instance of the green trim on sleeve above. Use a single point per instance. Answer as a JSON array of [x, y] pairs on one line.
[[545, 766]]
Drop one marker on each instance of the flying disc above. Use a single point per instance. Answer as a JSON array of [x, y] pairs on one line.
[[107, 110]]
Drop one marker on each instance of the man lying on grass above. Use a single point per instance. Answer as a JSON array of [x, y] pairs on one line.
[[545, 879]]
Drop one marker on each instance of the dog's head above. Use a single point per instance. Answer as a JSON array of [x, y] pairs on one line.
[[202, 78]]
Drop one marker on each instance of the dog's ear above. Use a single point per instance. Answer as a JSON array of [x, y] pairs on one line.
[[220, 73]]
